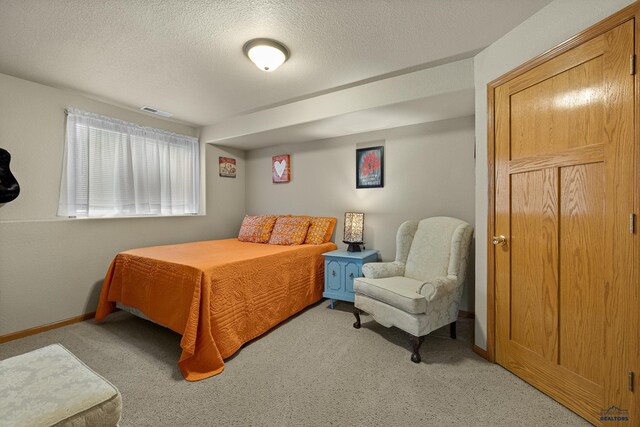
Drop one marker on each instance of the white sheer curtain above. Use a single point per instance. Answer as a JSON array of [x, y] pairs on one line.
[[114, 168]]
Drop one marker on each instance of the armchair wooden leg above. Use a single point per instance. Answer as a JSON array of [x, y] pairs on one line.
[[415, 344], [356, 312], [452, 330]]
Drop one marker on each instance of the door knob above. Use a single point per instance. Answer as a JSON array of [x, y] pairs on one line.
[[499, 240]]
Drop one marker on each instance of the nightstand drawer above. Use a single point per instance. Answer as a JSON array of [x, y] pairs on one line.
[[340, 268]]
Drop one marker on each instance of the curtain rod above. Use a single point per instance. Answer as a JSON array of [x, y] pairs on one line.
[[82, 113]]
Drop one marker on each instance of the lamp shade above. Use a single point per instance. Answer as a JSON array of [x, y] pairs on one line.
[[353, 230], [267, 54]]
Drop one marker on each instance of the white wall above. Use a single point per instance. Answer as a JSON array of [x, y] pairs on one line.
[[555, 23], [52, 268], [429, 171]]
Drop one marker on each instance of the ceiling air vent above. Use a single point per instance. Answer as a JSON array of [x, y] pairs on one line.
[[155, 111]]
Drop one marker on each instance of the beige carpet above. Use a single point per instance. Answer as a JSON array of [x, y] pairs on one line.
[[315, 369]]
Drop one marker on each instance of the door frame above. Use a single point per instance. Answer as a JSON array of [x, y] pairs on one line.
[[630, 12]]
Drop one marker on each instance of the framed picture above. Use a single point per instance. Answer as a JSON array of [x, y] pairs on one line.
[[370, 167], [227, 167], [280, 168]]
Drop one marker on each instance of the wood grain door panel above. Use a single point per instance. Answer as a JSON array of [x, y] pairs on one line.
[[534, 247], [564, 111], [581, 298]]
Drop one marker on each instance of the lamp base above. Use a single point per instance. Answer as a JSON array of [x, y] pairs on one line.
[[354, 247]]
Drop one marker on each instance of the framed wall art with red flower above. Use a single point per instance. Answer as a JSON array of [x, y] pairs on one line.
[[370, 167]]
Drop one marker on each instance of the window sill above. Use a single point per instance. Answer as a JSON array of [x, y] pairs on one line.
[[73, 218]]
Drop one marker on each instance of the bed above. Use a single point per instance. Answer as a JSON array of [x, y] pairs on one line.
[[217, 294]]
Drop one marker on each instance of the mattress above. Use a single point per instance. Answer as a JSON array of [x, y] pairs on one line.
[[217, 294], [135, 312]]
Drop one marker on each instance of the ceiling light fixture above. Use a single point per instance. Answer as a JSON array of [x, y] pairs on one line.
[[267, 54]]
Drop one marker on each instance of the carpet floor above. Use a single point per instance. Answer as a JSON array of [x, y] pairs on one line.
[[313, 370]]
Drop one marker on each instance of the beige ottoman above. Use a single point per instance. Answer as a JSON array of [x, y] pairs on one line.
[[52, 387]]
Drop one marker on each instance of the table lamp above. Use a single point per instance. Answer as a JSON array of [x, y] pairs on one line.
[[353, 229]]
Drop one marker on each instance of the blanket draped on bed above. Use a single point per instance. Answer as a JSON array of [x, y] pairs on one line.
[[217, 294]]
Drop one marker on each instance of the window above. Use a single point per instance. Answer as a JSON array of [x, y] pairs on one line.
[[114, 168]]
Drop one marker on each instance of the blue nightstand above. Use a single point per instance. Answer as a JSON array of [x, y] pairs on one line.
[[340, 268]]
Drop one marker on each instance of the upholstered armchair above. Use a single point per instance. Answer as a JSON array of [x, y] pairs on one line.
[[420, 291]]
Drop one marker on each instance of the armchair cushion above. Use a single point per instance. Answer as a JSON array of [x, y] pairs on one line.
[[430, 251], [401, 292], [379, 270]]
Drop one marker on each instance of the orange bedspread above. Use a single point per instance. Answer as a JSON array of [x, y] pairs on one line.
[[218, 294]]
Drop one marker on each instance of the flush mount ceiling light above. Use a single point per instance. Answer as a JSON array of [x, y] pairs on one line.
[[267, 54]]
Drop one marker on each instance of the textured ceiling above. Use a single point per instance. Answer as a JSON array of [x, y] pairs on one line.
[[185, 56]]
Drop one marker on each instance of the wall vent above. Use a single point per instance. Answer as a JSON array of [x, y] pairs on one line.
[[155, 111]]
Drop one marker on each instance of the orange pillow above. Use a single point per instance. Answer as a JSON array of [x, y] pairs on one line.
[[320, 230], [256, 229], [289, 230]]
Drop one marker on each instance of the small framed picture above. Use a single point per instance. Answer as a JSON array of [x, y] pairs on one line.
[[227, 167], [280, 168], [370, 167]]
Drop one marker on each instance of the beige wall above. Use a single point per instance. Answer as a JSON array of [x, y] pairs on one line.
[[52, 268], [553, 24], [429, 171]]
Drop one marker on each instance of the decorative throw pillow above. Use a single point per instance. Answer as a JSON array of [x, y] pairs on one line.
[[289, 230], [256, 229], [320, 230]]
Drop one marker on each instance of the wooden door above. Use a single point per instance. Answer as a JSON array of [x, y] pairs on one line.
[[564, 141]]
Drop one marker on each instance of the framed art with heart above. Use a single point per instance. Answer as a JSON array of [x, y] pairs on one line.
[[281, 168]]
